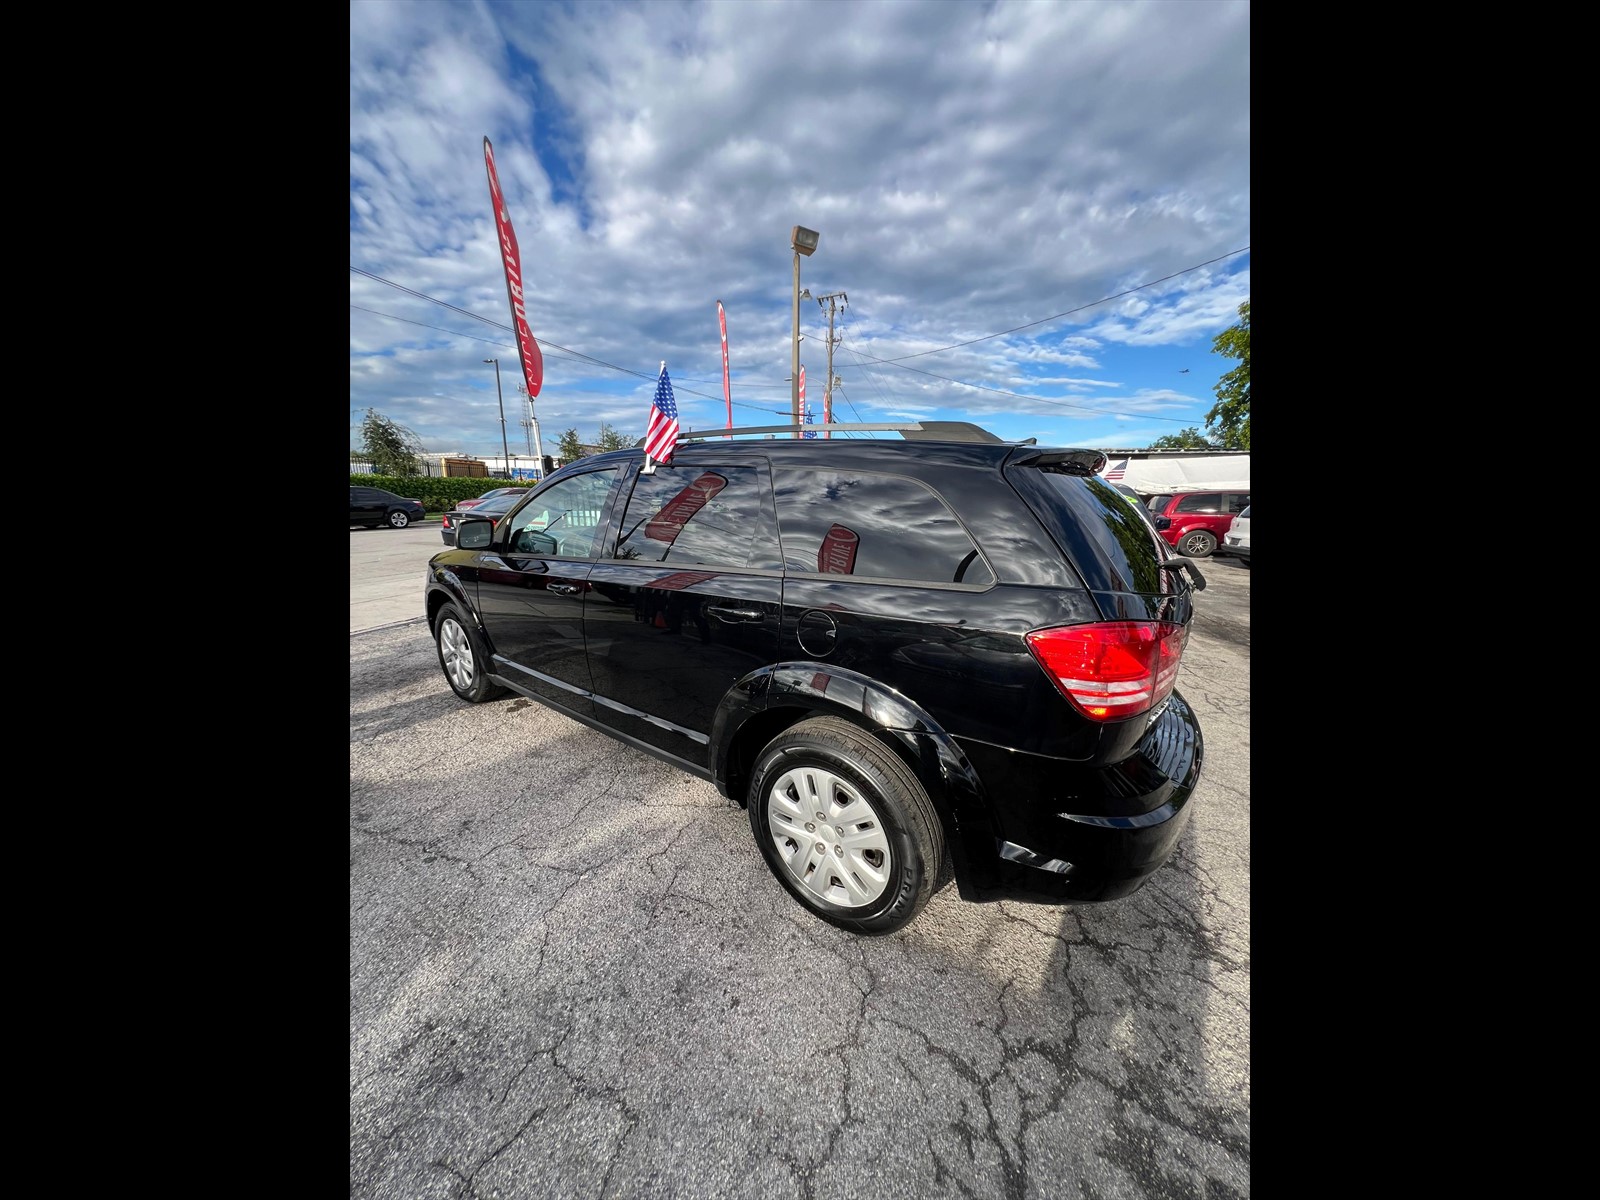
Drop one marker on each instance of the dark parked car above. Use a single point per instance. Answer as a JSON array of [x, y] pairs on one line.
[[904, 658], [493, 507], [1194, 522], [372, 507], [463, 505]]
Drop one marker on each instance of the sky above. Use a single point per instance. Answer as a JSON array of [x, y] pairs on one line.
[[1037, 213]]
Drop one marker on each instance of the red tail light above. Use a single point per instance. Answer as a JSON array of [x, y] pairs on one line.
[[1114, 669]]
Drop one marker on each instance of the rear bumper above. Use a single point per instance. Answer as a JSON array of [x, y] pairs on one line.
[[1063, 833], [1224, 550]]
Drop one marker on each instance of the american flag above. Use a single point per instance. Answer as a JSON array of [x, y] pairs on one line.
[[1116, 471], [663, 432]]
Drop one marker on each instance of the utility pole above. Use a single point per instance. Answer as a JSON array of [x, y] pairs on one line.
[[836, 301]]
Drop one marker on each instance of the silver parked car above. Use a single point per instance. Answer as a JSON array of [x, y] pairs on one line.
[[1236, 542]]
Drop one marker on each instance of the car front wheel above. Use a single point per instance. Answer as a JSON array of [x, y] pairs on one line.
[[1197, 544], [845, 826], [399, 520], [463, 657]]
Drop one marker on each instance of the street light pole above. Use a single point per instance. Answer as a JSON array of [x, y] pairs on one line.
[[505, 448], [804, 241]]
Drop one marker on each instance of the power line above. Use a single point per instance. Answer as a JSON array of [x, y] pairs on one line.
[[1002, 392], [864, 358], [1045, 320], [579, 355]]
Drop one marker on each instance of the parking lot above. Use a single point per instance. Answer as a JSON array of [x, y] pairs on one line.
[[571, 973]]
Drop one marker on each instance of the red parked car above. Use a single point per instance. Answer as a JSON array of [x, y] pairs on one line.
[[1192, 523]]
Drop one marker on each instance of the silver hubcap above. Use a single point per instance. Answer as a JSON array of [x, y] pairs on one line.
[[455, 650], [828, 837], [399, 520]]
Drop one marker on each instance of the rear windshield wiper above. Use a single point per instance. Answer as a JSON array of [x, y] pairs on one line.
[[1176, 562]]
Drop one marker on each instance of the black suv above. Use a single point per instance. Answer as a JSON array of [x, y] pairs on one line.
[[901, 656]]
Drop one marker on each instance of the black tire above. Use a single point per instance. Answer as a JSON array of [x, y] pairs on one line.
[[399, 519], [853, 767], [463, 657], [1197, 543]]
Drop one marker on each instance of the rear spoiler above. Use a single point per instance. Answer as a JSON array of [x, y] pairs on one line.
[[1068, 462]]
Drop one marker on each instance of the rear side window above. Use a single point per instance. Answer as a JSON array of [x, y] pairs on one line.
[[1200, 502], [1111, 543], [872, 526], [708, 516], [1238, 502]]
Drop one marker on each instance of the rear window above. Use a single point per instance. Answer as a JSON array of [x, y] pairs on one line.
[[1112, 542]]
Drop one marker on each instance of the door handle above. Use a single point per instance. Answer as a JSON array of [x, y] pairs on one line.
[[565, 589], [729, 613]]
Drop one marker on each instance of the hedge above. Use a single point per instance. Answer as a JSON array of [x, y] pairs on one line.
[[437, 493]]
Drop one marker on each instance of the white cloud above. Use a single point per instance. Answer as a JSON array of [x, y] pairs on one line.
[[971, 168]]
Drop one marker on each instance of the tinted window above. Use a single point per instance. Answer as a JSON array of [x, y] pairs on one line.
[[859, 523], [1238, 501], [711, 516], [562, 520], [361, 495], [1111, 543], [1200, 502], [1245, 511]]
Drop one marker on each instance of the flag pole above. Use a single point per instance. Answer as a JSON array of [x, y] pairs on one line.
[[727, 392], [649, 467]]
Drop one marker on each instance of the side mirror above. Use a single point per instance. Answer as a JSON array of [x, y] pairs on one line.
[[1163, 522], [474, 533]]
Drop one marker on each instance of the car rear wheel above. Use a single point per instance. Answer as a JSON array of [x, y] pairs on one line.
[[845, 826], [1197, 544], [399, 520], [463, 657]]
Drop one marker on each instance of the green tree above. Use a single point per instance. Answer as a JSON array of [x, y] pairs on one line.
[[1186, 439], [571, 448], [1230, 416], [390, 446], [610, 439]]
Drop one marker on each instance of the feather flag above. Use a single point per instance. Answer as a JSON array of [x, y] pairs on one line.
[[511, 259], [662, 435]]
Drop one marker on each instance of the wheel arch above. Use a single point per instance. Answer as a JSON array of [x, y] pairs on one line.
[[765, 703], [448, 588]]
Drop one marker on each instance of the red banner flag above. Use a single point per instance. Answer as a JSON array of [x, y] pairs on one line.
[[668, 523], [837, 554], [511, 257], [727, 393]]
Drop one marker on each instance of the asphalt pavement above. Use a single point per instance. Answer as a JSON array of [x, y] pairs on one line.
[[571, 974]]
